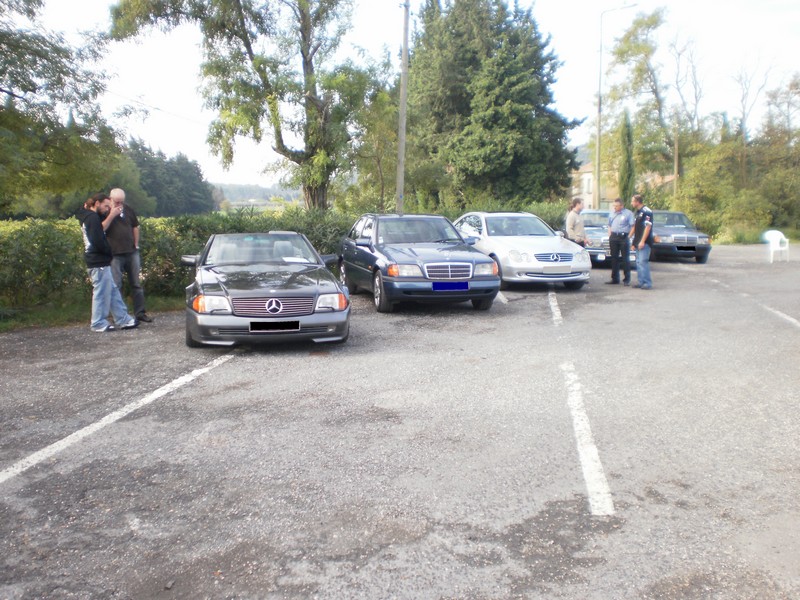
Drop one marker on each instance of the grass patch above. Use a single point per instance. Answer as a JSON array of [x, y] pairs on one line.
[[71, 311]]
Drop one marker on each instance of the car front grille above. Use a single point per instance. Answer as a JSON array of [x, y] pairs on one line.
[[257, 307], [448, 271], [684, 239], [554, 257]]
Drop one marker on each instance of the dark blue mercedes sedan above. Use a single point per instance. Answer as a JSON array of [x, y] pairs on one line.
[[415, 258]]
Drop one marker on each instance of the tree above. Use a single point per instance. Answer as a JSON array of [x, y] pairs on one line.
[[481, 98], [627, 172], [53, 139], [264, 71]]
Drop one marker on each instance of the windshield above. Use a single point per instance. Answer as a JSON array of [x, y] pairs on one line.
[[672, 219], [249, 248], [511, 225], [595, 219], [416, 231]]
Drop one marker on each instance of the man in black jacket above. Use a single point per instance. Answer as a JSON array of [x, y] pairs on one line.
[[95, 217]]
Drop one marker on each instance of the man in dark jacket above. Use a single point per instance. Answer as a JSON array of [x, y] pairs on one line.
[[95, 217], [123, 235]]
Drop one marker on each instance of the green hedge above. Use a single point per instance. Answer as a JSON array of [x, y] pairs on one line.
[[42, 260]]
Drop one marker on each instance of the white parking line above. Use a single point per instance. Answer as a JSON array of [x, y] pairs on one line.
[[551, 295], [502, 297], [600, 500], [59, 446], [783, 316]]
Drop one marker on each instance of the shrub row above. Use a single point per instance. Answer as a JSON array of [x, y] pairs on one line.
[[42, 260]]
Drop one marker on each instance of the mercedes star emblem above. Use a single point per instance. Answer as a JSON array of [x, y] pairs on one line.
[[274, 306]]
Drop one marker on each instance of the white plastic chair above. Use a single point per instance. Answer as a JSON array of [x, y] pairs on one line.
[[778, 245]]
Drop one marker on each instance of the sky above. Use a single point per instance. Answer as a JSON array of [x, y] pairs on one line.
[[160, 72]]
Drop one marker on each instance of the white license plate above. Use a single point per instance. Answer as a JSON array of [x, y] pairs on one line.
[[557, 269]]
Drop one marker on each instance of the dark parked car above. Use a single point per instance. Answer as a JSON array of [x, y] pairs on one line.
[[677, 237], [417, 258], [263, 287], [597, 245]]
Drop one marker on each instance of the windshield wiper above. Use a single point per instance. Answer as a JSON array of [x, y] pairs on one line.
[[446, 240]]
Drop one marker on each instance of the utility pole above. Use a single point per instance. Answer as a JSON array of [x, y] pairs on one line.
[[401, 128]]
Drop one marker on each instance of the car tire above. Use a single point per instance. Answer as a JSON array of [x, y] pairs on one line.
[[382, 303], [191, 342], [482, 303], [574, 285], [351, 287], [503, 284], [702, 259]]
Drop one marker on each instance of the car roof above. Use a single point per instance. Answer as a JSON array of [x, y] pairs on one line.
[[406, 215], [501, 213]]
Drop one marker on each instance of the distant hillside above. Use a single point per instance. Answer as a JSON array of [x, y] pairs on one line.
[[255, 194]]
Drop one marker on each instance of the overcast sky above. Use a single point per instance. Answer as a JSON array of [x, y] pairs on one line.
[[160, 71]]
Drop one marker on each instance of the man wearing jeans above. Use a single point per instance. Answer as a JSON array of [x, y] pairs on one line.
[[620, 223], [123, 235], [94, 217], [642, 242]]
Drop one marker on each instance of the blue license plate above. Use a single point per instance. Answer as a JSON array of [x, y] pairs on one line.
[[450, 286]]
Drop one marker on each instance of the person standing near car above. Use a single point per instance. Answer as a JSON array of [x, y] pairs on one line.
[[620, 223], [95, 216], [123, 235], [642, 242], [575, 230]]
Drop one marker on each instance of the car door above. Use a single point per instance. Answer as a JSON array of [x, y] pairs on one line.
[[360, 258]]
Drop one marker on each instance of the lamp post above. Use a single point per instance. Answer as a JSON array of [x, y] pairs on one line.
[[401, 127], [596, 195]]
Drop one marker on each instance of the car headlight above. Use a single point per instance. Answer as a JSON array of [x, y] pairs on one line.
[[404, 271], [664, 239], [486, 268], [592, 243], [331, 302], [703, 240], [518, 257], [583, 255], [211, 305]]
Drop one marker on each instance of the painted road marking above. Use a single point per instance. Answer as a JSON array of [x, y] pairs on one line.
[[557, 320], [600, 500], [502, 297], [783, 316], [61, 445]]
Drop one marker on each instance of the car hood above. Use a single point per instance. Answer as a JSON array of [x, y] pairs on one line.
[[528, 243], [432, 252], [267, 279]]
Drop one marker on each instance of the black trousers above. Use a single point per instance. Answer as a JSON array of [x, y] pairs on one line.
[[620, 251]]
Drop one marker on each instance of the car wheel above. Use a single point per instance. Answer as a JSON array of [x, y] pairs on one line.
[[503, 284], [351, 287], [702, 259], [191, 342], [382, 303], [573, 285], [482, 303]]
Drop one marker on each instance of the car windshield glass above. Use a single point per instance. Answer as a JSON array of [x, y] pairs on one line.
[[416, 231], [253, 248], [595, 219], [517, 225], [676, 220]]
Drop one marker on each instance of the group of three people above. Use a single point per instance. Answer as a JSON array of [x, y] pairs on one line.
[[625, 231], [111, 248]]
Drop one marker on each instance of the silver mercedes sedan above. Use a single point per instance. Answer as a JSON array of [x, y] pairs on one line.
[[526, 249]]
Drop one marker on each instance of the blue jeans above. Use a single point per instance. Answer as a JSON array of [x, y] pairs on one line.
[[106, 298], [129, 263], [643, 267]]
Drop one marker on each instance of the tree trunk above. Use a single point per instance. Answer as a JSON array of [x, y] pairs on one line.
[[316, 197]]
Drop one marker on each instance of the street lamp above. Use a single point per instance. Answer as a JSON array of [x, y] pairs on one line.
[[596, 195]]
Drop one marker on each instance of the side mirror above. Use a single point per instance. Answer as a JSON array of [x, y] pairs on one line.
[[330, 259], [189, 260], [560, 233], [364, 242], [471, 240]]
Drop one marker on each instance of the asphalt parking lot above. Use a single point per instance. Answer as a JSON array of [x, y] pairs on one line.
[[604, 443]]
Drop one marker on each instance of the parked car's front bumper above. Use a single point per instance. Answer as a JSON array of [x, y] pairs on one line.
[[227, 330], [421, 290], [661, 250]]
